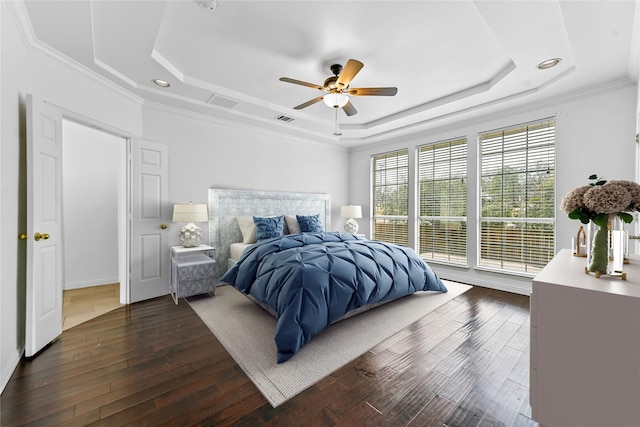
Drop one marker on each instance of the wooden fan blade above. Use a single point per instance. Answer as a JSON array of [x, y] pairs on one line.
[[373, 91], [306, 104], [301, 83], [349, 72], [350, 109]]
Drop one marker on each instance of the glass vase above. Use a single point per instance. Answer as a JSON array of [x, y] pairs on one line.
[[618, 246], [606, 247]]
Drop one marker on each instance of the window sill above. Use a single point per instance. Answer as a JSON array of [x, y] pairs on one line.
[[447, 263], [506, 272]]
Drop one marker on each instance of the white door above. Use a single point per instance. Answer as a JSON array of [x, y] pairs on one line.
[[44, 226], [150, 216]]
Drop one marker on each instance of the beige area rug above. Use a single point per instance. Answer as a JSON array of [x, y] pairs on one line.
[[247, 333]]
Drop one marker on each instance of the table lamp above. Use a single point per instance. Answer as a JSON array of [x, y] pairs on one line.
[[351, 212], [191, 234]]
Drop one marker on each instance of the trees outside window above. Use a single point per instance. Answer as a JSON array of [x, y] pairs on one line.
[[516, 205]]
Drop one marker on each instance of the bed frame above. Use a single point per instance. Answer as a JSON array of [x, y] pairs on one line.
[[226, 204]]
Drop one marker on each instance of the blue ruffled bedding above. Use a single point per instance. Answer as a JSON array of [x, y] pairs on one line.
[[313, 279]]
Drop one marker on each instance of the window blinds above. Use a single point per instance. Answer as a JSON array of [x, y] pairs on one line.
[[517, 197], [391, 197], [442, 201]]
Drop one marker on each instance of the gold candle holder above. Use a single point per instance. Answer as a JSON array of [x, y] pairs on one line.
[[581, 243]]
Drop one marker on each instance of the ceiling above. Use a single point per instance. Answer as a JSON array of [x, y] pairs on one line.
[[448, 59]]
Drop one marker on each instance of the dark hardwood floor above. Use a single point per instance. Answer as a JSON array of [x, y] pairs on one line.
[[155, 363]]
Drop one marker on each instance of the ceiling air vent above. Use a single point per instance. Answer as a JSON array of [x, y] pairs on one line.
[[283, 118], [221, 101]]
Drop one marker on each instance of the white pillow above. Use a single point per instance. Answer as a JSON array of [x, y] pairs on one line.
[[247, 228], [292, 224]]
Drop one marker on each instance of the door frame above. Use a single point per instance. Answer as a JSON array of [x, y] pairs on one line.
[[124, 197]]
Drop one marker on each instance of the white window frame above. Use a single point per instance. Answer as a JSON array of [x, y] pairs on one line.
[[519, 242]]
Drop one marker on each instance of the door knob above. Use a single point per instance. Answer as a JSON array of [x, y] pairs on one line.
[[163, 226], [39, 236]]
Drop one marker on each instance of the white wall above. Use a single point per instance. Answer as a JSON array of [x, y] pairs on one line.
[[90, 178], [594, 134], [11, 293], [2, 366], [205, 153]]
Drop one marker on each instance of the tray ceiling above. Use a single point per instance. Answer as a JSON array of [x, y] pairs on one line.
[[448, 59]]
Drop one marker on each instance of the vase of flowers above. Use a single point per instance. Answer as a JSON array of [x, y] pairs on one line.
[[603, 206]]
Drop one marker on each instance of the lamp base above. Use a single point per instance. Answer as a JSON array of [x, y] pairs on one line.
[[351, 226], [190, 235]]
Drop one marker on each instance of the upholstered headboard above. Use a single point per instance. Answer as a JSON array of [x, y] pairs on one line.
[[225, 205]]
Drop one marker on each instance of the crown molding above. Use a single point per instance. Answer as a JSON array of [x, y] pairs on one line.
[[21, 18], [424, 127], [244, 126]]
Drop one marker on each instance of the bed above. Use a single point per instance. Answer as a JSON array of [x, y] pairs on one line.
[[226, 205], [307, 278]]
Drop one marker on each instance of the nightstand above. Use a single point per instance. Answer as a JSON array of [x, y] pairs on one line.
[[193, 271]]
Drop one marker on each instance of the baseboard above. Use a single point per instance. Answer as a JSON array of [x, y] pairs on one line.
[[514, 289], [89, 283], [9, 368]]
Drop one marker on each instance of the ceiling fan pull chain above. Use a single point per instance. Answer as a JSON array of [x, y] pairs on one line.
[[336, 131]]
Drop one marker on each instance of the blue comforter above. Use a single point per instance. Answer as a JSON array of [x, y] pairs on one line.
[[313, 279]]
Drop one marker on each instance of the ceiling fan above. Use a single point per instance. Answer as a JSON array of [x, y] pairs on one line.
[[337, 89]]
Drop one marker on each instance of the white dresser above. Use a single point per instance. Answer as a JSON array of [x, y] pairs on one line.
[[585, 346]]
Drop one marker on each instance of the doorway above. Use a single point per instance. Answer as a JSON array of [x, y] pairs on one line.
[[94, 179]]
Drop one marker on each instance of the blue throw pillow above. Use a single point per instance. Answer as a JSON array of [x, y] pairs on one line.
[[266, 228], [310, 223]]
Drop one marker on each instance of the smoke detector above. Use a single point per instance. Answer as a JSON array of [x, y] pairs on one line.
[[208, 4]]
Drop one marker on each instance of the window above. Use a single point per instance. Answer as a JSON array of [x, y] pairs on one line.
[[517, 197], [442, 201], [391, 197]]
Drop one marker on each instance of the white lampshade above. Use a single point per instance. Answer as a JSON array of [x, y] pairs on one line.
[[188, 212], [336, 100], [351, 211], [191, 234]]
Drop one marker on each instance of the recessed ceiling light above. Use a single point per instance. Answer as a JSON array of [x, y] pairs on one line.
[[161, 83], [549, 63]]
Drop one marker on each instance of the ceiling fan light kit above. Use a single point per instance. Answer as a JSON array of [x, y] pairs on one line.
[[336, 100], [337, 89]]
